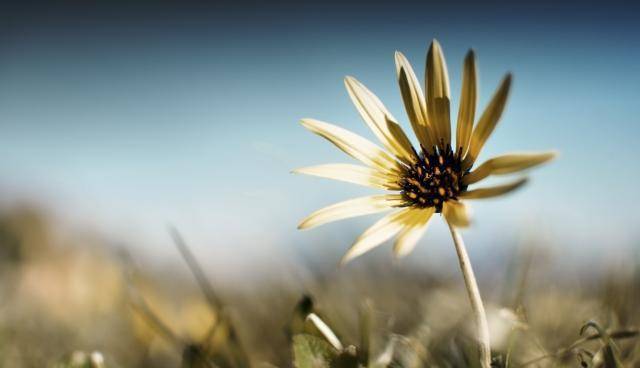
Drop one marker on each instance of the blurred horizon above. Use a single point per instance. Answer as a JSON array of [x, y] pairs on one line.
[[123, 118]]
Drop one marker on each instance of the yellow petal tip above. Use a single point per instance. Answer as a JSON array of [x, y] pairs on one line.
[[508, 78], [349, 256], [308, 123], [549, 156], [399, 57], [306, 223], [343, 261], [350, 83], [471, 54]]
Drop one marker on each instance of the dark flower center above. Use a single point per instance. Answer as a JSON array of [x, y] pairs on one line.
[[433, 179]]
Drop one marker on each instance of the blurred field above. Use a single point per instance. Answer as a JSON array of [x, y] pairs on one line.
[[64, 297]]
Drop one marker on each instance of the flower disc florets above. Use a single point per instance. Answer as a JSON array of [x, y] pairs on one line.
[[433, 179]]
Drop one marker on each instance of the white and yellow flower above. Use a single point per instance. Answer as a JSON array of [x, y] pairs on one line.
[[434, 178]]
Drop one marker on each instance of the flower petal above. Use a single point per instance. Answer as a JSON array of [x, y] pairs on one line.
[[488, 121], [468, 101], [456, 213], [355, 174], [437, 81], [493, 191], [414, 101], [409, 236], [380, 120], [352, 144], [351, 208], [381, 231], [507, 164]]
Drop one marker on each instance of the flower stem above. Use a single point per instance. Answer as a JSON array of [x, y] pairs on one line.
[[474, 297]]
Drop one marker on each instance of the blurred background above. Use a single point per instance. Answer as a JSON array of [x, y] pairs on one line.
[[123, 119]]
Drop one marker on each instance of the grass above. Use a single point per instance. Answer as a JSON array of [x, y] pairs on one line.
[[62, 299]]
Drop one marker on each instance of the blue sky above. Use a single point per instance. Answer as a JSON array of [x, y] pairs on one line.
[[125, 121]]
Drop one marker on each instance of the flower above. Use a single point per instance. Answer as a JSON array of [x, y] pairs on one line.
[[434, 178]]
